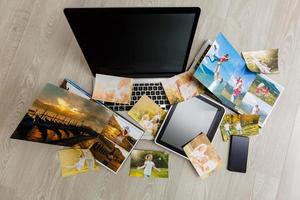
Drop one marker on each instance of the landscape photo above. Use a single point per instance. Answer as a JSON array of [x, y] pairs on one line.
[[265, 61], [62, 118]]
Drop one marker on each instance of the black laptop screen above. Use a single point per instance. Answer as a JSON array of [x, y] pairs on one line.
[[134, 42]]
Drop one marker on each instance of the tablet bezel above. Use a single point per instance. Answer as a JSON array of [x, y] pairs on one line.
[[211, 132]]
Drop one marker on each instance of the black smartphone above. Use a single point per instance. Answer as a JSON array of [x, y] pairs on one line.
[[238, 153]]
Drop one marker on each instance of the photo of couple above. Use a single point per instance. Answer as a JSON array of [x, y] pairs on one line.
[[224, 72], [202, 155], [149, 115]]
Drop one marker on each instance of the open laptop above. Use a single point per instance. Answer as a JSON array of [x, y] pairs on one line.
[[148, 44]]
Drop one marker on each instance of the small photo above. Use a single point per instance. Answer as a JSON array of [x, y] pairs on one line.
[[121, 132], [149, 115], [148, 163], [75, 161], [234, 124], [255, 106], [265, 89], [203, 156], [112, 89], [265, 61], [182, 87]]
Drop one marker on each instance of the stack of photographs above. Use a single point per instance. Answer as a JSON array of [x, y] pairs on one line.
[[224, 72], [62, 118]]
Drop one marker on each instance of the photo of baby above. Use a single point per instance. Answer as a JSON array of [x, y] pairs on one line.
[[147, 163], [265, 61], [202, 155], [182, 87], [75, 161], [234, 124], [112, 89], [149, 115]]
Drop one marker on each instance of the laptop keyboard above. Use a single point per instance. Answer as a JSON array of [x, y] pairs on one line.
[[154, 91]]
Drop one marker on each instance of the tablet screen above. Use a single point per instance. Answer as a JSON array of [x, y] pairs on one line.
[[190, 118]]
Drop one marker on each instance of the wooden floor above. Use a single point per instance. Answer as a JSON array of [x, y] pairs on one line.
[[37, 46]]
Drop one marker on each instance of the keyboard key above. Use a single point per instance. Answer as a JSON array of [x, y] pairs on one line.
[[146, 84], [154, 97], [154, 88], [145, 88], [161, 102], [151, 84], [152, 93], [157, 84], [163, 97], [140, 88], [159, 97], [157, 92], [142, 84], [121, 108], [157, 102], [135, 88], [131, 102], [147, 93], [160, 87], [134, 98], [138, 93]]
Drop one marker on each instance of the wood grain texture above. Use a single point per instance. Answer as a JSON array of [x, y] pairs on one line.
[[37, 46]]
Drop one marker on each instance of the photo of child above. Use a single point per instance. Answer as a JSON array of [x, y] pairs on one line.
[[265, 61], [112, 89], [202, 155], [182, 87], [234, 124], [148, 163], [149, 115], [75, 161]]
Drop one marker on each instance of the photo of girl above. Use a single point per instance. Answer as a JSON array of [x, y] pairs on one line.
[[148, 163], [202, 155]]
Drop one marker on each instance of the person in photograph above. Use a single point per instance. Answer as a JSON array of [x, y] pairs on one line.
[[146, 123], [148, 165], [217, 80], [201, 160], [255, 110], [237, 89], [227, 129], [263, 68], [239, 128], [79, 165], [155, 123], [123, 134]]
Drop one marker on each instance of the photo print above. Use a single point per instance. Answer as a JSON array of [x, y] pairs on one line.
[[203, 156], [149, 115], [62, 118], [265, 61], [235, 124], [148, 163], [112, 89]]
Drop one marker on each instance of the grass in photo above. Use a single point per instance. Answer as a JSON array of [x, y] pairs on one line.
[[234, 124], [148, 163], [265, 61], [149, 115]]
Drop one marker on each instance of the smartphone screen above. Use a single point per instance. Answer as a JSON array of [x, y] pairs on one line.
[[238, 153]]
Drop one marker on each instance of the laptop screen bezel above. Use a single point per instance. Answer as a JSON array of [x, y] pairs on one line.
[[148, 10]]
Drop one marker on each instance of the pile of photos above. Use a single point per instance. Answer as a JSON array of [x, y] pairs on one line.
[[70, 116]]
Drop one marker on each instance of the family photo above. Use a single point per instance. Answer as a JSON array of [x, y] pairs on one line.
[[149, 115]]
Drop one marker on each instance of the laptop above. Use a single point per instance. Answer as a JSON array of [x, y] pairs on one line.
[[147, 44]]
